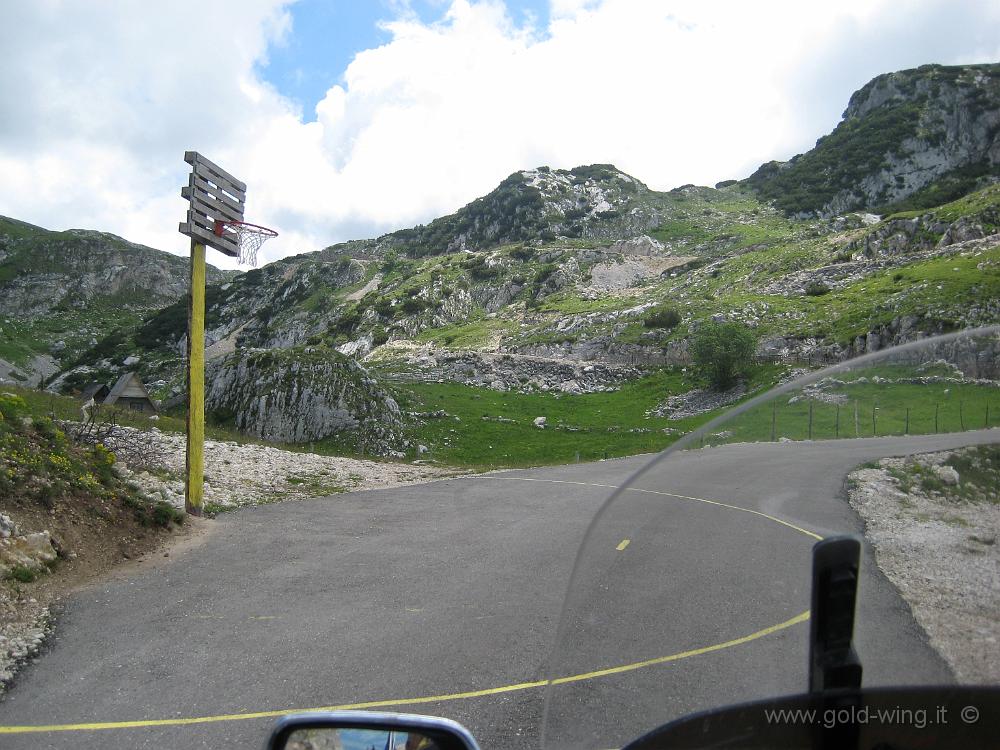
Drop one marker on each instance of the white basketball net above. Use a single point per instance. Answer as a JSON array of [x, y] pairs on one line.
[[249, 238]]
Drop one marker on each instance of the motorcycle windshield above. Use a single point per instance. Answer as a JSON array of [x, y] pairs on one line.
[[691, 590]]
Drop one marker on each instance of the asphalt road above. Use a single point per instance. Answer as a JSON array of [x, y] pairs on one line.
[[457, 586]]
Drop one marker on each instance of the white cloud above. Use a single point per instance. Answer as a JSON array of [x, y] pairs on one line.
[[109, 96]]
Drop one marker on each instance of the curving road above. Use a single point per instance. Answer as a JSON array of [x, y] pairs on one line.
[[456, 587]]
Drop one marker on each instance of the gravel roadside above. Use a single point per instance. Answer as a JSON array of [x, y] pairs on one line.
[[239, 475], [935, 537]]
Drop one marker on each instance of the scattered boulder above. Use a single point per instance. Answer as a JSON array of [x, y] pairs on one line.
[[517, 372], [540, 422], [947, 474], [33, 552], [641, 245], [698, 401]]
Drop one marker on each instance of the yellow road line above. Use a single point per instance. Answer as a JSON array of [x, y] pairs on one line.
[[667, 494], [623, 545], [399, 702], [733, 507]]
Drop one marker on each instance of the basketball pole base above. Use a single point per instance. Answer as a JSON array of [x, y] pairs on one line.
[[194, 480]]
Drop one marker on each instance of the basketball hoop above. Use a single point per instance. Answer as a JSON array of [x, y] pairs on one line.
[[248, 238]]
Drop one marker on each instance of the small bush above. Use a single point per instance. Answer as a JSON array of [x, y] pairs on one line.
[[816, 289], [723, 352], [414, 305], [164, 513], [346, 322], [103, 461], [663, 317], [384, 307], [23, 574], [12, 407], [931, 483], [479, 270]]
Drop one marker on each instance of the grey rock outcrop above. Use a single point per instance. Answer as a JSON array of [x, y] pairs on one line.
[[512, 372], [959, 126], [304, 394]]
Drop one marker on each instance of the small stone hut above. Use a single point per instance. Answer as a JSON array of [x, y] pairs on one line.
[[130, 393]]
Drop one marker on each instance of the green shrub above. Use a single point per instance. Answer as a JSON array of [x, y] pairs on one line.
[[48, 430], [23, 574], [816, 289], [103, 461], [379, 336], [164, 513], [346, 322], [12, 406], [723, 351], [477, 268], [662, 317], [414, 305]]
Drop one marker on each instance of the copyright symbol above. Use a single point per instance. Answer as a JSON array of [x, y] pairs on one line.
[[970, 714]]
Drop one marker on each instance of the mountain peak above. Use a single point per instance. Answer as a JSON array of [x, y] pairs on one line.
[[529, 205], [910, 139]]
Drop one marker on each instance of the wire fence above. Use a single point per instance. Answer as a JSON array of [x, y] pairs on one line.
[[812, 419]]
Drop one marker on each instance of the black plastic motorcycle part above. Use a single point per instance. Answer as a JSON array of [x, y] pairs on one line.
[[833, 662]]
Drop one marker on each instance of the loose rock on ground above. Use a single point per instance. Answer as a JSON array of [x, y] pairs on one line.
[[941, 551]]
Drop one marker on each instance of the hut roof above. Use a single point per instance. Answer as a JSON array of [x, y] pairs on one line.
[[93, 391], [128, 386]]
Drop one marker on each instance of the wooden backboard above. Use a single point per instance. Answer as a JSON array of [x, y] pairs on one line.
[[213, 195]]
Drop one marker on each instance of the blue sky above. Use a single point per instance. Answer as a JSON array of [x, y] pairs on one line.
[[327, 34]]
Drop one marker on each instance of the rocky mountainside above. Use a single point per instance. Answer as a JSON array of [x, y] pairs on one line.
[[824, 288], [908, 140], [576, 280], [61, 292], [594, 201]]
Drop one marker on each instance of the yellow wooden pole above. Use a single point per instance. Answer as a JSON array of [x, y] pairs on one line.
[[196, 384]]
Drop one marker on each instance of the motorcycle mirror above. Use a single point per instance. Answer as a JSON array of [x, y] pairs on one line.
[[365, 730]]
